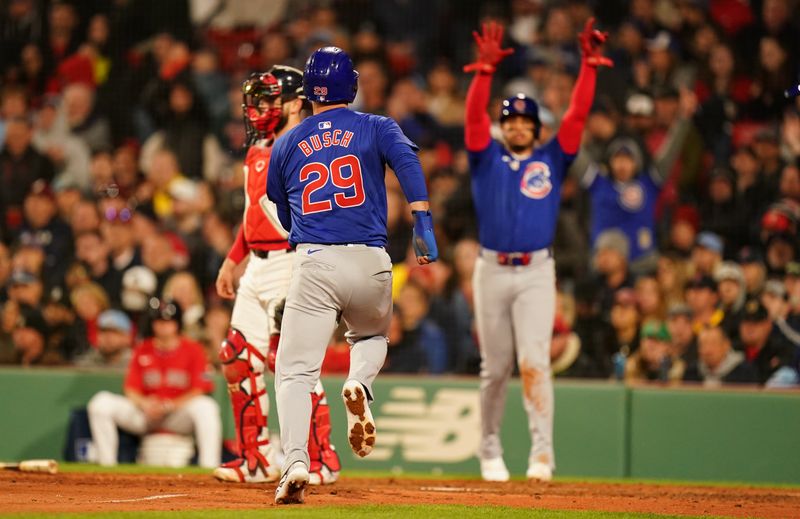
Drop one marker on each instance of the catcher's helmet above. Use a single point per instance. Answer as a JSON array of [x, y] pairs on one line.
[[260, 124], [523, 105], [330, 77], [290, 80]]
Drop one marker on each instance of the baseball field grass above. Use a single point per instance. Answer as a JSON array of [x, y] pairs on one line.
[[81, 490]]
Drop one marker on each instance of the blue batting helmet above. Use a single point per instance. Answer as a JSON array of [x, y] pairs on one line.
[[330, 77], [523, 105]]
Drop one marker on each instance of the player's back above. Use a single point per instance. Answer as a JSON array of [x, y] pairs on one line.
[[332, 168]]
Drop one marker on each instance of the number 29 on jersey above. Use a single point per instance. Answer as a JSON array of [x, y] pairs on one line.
[[345, 175]]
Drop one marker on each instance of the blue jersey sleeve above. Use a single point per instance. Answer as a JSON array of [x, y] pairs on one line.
[[276, 190], [561, 159], [400, 153]]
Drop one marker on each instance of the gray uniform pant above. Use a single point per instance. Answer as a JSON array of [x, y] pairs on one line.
[[515, 309], [351, 282]]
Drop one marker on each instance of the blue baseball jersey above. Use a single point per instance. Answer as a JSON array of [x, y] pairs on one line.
[[327, 177], [517, 201], [628, 206]]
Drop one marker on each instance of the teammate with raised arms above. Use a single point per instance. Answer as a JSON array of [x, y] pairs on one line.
[[516, 187]]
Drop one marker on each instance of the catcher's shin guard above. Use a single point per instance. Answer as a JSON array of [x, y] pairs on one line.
[[243, 368], [325, 464]]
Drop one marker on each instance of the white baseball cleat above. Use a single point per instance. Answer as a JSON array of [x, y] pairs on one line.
[[236, 471], [291, 489], [323, 476], [360, 424], [539, 472], [494, 469]]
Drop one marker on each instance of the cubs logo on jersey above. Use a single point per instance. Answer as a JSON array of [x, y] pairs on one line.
[[631, 197], [536, 181]]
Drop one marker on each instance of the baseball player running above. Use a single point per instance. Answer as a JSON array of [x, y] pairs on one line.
[[516, 188], [272, 104], [326, 177]]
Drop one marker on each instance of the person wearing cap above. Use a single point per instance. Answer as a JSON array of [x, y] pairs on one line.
[[623, 191], [766, 145], [718, 363], [166, 389], [791, 300], [707, 253], [683, 341], [730, 288], [625, 321], [25, 288], [702, 298], [683, 227], [114, 341], [753, 269], [764, 346], [653, 362], [43, 227], [611, 264]]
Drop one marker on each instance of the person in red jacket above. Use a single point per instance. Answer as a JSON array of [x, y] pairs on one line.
[[273, 103], [166, 389]]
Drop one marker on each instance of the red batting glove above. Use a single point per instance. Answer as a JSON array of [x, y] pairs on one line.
[[591, 40], [489, 51]]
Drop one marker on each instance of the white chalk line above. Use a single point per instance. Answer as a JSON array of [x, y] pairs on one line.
[[454, 489], [147, 498]]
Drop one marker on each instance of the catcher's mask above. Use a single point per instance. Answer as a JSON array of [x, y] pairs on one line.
[[260, 123]]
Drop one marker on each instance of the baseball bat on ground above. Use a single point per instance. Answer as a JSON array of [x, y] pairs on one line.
[[46, 466]]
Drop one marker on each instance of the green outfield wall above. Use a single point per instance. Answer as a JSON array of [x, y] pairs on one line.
[[432, 425]]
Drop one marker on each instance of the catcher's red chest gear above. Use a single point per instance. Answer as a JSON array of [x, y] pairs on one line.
[[262, 230]]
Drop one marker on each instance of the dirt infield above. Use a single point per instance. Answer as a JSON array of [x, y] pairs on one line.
[[81, 492]]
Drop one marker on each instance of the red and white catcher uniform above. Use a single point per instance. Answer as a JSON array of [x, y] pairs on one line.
[[252, 341]]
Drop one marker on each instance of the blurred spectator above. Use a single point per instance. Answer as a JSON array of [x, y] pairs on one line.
[[567, 359], [43, 228], [420, 344], [611, 263], [94, 254], [185, 133], [157, 257], [702, 298], [653, 361], [117, 231], [20, 166], [753, 269], [707, 253], [671, 273], [720, 213], [29, 336], [683, 342], [89, 300], [25, 288], [114, 341], [182, 288], [625, 320], [718, 363], [595, 333], [217, 321], [83, 119], [731, 291], [69, 154], [650, 299], [683, 230], [765, 348]]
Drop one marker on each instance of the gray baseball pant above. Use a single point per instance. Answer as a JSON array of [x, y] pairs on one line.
[[351, 282], [515, 310]]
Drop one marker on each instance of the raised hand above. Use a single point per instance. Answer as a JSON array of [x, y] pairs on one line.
[[490, 52], [591, 40]]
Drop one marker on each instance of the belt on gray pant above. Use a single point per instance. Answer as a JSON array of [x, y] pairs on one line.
[[516, 259]]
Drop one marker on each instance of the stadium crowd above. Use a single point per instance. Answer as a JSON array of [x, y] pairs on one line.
[[121, 178]]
